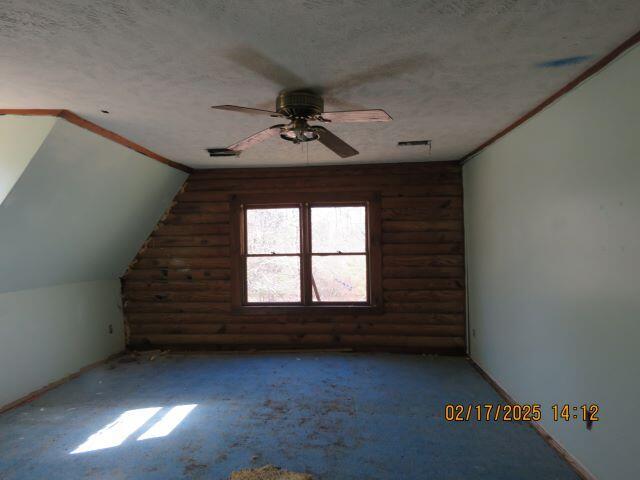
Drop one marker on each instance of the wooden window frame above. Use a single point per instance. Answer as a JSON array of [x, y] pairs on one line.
[[305, 201]]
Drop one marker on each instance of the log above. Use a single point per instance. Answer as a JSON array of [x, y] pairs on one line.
[[329, 171], [224, 317], [422, 191], [423, 260], [423, 284], [195, 207], [422, 248], [422, 237], [423, 272], [196, 218], [333, 183], [165, 230], [195, 262], [130, 285], [440, 307], [170, 274], [292, 340], [185, 252], [427, 203], [298, 329], [418, 296], [174, 307], [203, 196], [177, 296], [421, 226], [190, 241]]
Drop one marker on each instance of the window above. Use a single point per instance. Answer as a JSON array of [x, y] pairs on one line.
[[317, 252]]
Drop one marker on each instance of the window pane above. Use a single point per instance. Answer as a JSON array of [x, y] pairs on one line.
[[273, 279], [272, 230], [338, 229], [340, 278]]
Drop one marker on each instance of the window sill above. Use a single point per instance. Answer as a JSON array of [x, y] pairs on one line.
[[307, 309]]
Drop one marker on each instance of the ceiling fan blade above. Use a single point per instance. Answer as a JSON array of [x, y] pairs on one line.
[[356, 116], [252, 111], [378, 73], [343, 104], [256, 138], [332, 142], [258, 63]]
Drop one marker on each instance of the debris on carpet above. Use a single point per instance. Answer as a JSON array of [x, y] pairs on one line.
[[268, 472]]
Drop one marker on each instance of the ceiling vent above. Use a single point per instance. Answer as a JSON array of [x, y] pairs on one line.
[[221, 152], [416, 143]]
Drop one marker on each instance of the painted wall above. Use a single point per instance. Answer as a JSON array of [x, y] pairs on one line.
[[552, 218], [73, 220], [48, 333]]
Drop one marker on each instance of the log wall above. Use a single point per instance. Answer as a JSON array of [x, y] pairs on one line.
[[177, 292]]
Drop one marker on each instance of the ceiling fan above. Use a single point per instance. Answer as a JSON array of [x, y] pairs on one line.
[[300, 107]]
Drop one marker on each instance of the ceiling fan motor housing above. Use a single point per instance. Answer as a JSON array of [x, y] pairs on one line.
[[300, 107], [299, 104]]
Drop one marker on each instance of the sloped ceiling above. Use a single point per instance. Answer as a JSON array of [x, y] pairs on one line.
[[20, 139], [81, 209], [453, 71]]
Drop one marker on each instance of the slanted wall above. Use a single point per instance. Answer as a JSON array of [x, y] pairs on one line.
[[71, 223]]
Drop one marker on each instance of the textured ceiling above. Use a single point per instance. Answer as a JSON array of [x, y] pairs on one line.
[[452, 71]]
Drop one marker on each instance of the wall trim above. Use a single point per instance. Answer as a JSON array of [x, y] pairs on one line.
[[29, 397], [575, 464], [589, 72], [71, 117]]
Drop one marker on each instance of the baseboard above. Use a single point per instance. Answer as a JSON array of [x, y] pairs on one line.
[[575, 464], [41, 391]]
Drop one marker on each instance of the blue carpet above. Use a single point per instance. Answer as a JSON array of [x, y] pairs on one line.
[[336, 416]]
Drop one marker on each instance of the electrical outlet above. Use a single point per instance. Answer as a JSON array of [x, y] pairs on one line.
[[111, 329], [473, 332]]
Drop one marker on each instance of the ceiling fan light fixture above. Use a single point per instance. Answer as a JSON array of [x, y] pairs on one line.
[[299, 131], [311, 135], [288, 135], [297, 136]]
